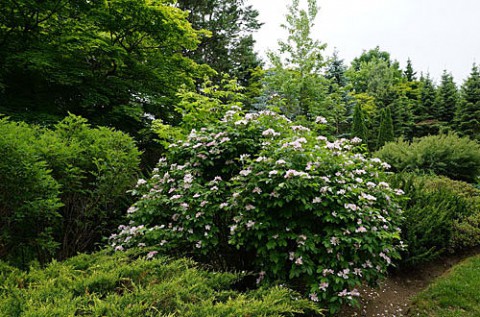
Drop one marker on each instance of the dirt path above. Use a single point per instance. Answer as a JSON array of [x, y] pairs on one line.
[[393, 297]]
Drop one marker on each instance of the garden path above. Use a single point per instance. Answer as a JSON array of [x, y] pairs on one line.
[[393, 296]]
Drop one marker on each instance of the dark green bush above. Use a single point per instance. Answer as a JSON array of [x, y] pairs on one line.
[[61, 189], [138, 284], [448, 154], [29, 200], [440, 215]]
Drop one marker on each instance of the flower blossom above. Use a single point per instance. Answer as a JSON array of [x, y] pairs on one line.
[[270, 132], [321, 120], [151, 254]]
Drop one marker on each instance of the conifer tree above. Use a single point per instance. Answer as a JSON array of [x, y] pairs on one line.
[[446, 101], [385, 132], [359, 125], [468, 112], [409, 73]]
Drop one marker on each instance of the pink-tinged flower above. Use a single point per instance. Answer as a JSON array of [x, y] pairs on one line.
[[250, 224], [326, 272], [233, 228], [322, 138], [325, 189], [203, 203], [341, 192], [320, 120], [361, 229], [355, 293], [386, 165], [323, 286], [214, 188], [291, 256], [334, 241], [261, 276], [343, 293], [313, 297], [131, 210], [352, 207], [196, 195], [257, 190], [281, 162], [217, 179], [223, 205], [383, 185], [175, 217], [249, 207], [368, 197], [299, 261], [175, 197], [201, 156], [316, 200], [270, 132], [261, 159], [151, 254], [357, 272], [299, 128], [141, 182], [245, 172], [356, 140], [184, 206], [119, 248], [399, 192], [371, 185], [274, 172]]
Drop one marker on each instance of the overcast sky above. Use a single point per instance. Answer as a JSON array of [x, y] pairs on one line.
[[435, 34]]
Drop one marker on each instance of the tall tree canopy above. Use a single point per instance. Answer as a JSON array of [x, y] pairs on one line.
[[229, 47], [296, 75], [111, 61], [468, 112]]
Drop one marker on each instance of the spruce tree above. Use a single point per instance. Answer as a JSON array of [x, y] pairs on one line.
[[359, 125], [446, 101], [385, 132], [409, 73], [467, 117]]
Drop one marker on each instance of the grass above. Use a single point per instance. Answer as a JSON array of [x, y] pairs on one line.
[[455, 294]]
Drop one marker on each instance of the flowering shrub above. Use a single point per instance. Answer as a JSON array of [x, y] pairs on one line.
[[258, 191]]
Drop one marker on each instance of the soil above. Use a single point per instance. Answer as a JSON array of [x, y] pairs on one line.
[[392, 297]]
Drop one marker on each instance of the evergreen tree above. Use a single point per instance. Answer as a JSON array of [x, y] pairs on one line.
[[446, 100], [401, 111], [409, 73], [423, 111], [229, 48], [359, 125], [385, 132], [335, 71], [468, 112]]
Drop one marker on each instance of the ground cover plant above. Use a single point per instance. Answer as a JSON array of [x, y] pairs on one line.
[[455, 294], [259, 192], [137, 283]]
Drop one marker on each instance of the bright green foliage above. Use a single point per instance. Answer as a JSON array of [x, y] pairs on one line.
[[29, 199], [385, 132], [446, 100], [138, 283], [467, 116], [228, 48], [296, 74], [62, 189], [257, 192], [449, 155], [110, 61], [454, 294], [359, 126], [94, 168], [439, 214]]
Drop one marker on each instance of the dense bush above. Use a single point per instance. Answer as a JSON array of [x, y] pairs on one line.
[[61, 189], [135, 284], [29, 200], [261, 193], [448, 154], [94, 166], [440, 215]]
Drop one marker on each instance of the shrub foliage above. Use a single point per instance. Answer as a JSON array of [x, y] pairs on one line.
[[256, 191], [134, 284], [61, 189], [448, 154]]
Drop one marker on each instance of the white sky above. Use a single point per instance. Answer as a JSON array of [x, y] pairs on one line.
[[435, 34]]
